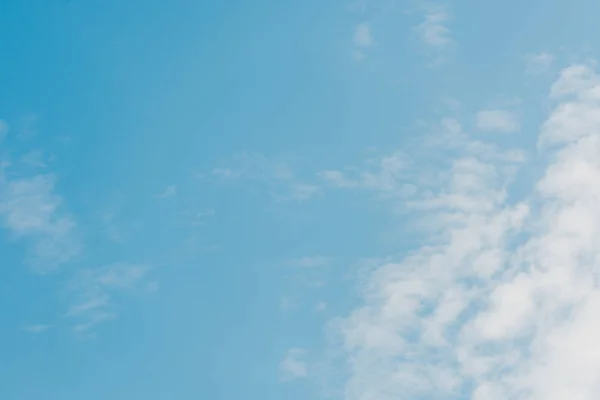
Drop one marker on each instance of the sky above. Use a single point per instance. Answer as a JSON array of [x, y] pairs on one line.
[[353, 200]]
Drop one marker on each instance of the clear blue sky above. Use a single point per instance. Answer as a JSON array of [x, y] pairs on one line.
[[292, 200]]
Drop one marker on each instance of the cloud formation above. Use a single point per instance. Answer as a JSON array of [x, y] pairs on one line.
[[502, 121], [3, 130], [538, 63], [277, 175], [433, 29], [387, 175], [92, 291], [170, 191], [362, 35], [502, 301], [37, 329], [31, 210], [294, 365]]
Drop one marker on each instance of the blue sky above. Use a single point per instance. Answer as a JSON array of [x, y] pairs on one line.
[[352, 200]]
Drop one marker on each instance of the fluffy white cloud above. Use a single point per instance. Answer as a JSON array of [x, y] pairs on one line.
[[502, 301], [498, 121], [294, 365]]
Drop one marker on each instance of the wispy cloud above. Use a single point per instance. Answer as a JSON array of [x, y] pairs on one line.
[[36, 329], [498, 120], [92, 292], [298, 192], [34, 159], [31, 210], [278, 175], [308, 262], [363, 40], [433, 29], [26, 127], [294, 365], [362, 35], [310, 272], [387, 175], [501, 300], [538, 63], [286, 303], [255, 166], [401, 178], [3, 130], [170, 191], [200, 218]]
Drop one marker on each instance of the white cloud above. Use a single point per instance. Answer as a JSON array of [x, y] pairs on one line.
[[538, 63], [388, 175], [498, 121], [433, 30], [93, 290], [30, 209], [407, 182], [294, 365], [501, 302], [363, 36]]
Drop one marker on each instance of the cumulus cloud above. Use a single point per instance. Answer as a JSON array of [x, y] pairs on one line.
[[294, 365], [498, 121], [31, 210], [501, 301]]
